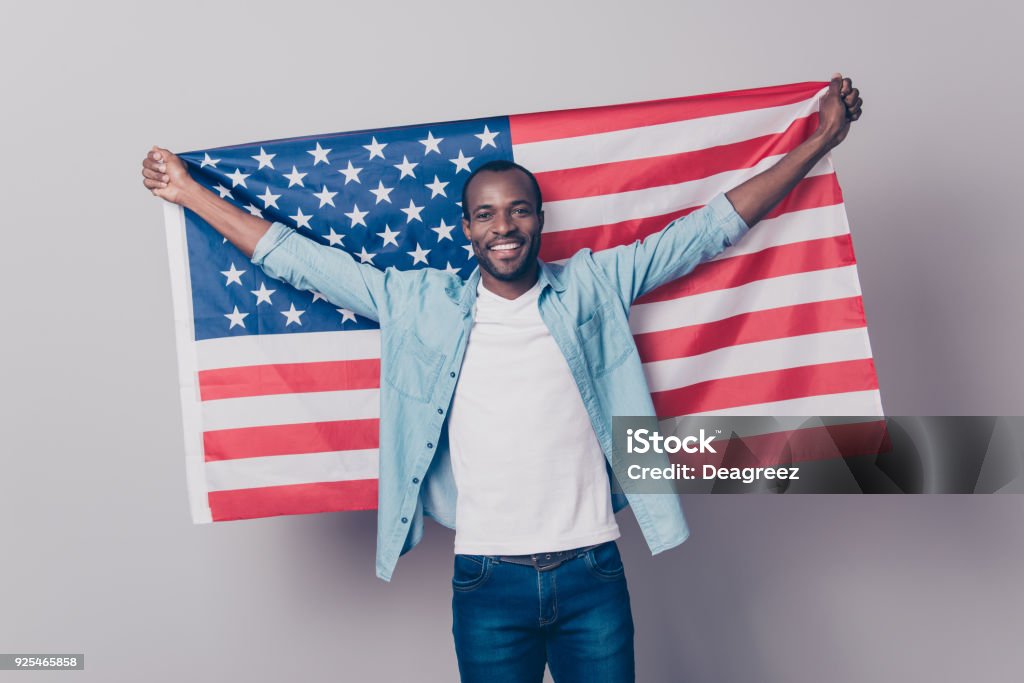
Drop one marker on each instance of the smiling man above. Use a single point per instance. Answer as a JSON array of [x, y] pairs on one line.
[[497, 395]]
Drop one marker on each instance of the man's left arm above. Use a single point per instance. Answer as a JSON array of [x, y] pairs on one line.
[[701, 235]]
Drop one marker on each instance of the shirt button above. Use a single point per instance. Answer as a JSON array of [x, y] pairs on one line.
[[415, 480], [451, 374], [405, 520], [440, 411], [430, 445]]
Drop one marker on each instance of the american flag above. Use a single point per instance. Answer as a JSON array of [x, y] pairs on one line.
[[280, 387]]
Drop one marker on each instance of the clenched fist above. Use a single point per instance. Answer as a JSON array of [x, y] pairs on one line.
[[164, 174], [840, 106]]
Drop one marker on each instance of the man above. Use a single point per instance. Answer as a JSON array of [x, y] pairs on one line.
[[497, 395]]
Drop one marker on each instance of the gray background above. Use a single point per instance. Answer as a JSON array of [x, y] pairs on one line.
[[98, 553]]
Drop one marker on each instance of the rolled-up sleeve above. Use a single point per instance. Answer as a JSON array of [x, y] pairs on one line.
[[674, 251], [305, 264]]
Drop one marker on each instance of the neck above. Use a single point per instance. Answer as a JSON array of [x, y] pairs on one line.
[[511, 289]]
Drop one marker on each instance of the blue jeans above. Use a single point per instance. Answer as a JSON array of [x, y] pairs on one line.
[[508, 620]]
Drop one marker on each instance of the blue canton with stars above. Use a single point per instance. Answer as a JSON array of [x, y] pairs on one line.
[[390, 197]]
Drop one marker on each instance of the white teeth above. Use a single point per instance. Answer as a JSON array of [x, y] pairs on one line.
[[505, 247]]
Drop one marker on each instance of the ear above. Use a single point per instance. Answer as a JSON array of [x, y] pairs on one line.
[[465, 229], [540, 218]]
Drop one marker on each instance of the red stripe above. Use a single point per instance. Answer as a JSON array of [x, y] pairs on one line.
[[289, 378], [785, 259], [589, 120], [747, 328], [307, 437], [809, 193], [293, 499], [797, 445], [640, 174], [765, 387]]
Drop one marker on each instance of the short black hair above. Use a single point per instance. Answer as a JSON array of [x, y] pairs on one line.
[[498, 166]]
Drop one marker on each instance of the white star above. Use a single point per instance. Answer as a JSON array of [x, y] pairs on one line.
[[320, 154], [358, 217], [461, 162], [431, 144], [238, 178], [292, 315], [437, 188], [412, 213], [264, 159], [223, 191], [233, 275], [406, 167], [389, 235], [207, 161], [420, 254], [444, 231], [334, 238], [295, 178], [451, 269], [317, 296], [365, 257], [351, 173], [236, 318], [263, 294], [375, 148], [469, 250], [254, 211], [325, 197], [487, 138], [346, 315], [383, 193], [269, 199], [301, 219]]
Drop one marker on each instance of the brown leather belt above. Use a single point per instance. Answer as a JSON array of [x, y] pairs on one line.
[[546, 561]]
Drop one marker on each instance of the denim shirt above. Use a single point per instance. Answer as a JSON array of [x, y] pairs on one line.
[[425, 318]]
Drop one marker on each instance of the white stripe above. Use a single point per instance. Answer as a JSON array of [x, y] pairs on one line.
[[184, 334], [757, 425], [660, 139], [282, 470], [763, 356], [791, 228], [585, 212], [279, 409], [776, 292], [269, 349], [848, 403]]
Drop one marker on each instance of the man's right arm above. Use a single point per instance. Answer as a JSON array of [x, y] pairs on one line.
[[276, 248]]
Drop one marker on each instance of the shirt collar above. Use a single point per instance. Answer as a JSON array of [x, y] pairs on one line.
[[547, 275]]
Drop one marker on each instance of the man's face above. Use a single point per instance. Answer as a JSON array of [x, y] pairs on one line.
[[504, 224]]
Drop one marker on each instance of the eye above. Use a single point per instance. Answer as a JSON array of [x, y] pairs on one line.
[[521, 211], [483, 215]]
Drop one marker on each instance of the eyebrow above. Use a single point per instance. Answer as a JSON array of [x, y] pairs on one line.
[[516, 202]]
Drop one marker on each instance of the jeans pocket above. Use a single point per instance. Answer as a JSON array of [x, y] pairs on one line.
[[470, 572], [604, 561]]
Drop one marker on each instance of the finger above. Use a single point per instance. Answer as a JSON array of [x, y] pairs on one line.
[[834, 85], [156, 175], [846, 86], [851, 97], [154, 184], [158, 154], [154, 165]]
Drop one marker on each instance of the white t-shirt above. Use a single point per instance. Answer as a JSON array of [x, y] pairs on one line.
[[528, 467]]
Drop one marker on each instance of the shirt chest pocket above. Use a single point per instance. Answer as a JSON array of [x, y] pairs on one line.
[[411, 367], [605, 343]]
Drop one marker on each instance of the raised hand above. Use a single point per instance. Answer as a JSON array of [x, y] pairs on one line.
[[840, 106], [164, 174]]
